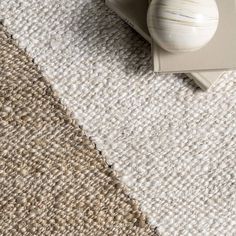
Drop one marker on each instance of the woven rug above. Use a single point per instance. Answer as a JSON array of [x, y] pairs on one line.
[[53, 181], [171, 145]]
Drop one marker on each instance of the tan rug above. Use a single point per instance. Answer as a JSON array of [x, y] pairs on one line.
[[53, 181], [172, 145]]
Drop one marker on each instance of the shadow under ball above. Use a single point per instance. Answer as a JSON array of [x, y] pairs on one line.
[[182, 25]]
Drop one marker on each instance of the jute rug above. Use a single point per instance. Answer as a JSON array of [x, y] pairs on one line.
[[53, 181], [172, 145]]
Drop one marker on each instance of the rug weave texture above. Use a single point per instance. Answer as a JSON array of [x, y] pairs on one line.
[[52, 179], [172, 145]]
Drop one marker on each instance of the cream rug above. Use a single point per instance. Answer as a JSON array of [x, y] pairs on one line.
[[52, 179], [172, 145]]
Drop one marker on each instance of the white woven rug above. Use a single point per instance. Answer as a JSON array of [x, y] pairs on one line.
[[173, 146]]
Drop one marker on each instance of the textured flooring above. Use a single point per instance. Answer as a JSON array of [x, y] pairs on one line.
[[53, 181], [172, 145]]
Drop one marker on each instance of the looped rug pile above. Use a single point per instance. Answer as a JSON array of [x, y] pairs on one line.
[[137, 154], [53, 181]]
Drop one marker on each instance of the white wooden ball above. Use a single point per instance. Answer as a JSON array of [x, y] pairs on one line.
[[182, 25]]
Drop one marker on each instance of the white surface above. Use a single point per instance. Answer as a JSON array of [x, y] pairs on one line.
[[182, 25], [172, 145]]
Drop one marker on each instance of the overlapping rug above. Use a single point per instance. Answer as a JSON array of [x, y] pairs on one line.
[[140, 153], [53, 180]]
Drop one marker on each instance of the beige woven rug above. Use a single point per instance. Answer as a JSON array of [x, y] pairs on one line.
[[172, 145], [53, 181]]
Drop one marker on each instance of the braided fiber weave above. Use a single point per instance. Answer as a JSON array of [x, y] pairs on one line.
[[52, 179], [172, 145]]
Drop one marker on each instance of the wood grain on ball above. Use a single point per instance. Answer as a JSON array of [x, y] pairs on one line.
[[182, 25]]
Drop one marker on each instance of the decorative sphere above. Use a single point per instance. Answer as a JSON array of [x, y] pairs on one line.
[[182, 25]]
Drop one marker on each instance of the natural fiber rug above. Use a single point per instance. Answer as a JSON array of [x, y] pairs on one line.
[[172, 145], [53, 181]]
